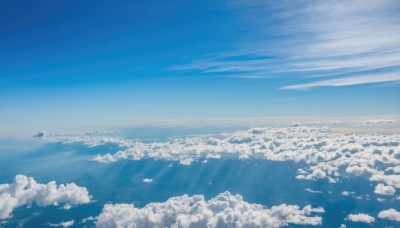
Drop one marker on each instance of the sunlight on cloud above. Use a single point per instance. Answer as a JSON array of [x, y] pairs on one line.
[[361, 218], [26, 191], [324, 154], [391, 214], [225, 210]]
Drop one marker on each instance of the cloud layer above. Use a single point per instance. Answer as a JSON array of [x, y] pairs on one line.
[[225, 210], [26, 191], [324, 154]]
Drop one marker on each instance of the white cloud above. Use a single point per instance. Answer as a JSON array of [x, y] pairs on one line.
[[393, 180], [384, 190], [381, 200], [347, 81], [324, 153], [26, 191], [90, 218], [361, 218], [330, 38], [146, 180], [92, 132], [379, 121], [313, 191], [225, 210], [63, 224], [347, 193], [390, 214]]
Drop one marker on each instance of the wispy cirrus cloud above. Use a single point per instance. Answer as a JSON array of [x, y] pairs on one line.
[[346, 81], [346, 40]]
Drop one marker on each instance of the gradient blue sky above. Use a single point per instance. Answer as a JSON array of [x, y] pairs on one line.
[[69, 62]]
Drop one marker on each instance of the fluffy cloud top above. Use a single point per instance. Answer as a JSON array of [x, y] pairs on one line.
[[325, 154], [384, 190], [26, 191], [225, 210], [390, 214], [361, 218]]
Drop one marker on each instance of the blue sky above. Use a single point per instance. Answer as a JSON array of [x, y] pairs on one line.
[[84, 62]]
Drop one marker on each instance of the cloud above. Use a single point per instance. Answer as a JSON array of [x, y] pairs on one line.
[[384, 190], [40, 135], [225, 210], [311, 39], [390, 214], [379, 121], [90, 218], [361, 218], [146, 180], [92, 132], [393, 180], [347, 81], [313, 191], [63, 224], [347, 193], [324, 154], [26, 191], [44, 134]]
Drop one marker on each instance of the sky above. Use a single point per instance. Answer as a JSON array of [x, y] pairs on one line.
[[74, 63]]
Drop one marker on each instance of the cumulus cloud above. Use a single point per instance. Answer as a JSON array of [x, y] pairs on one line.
[[26, 191], [390, 214], [361, 218], [147, 180], [384, 190], [347, 193], [381, 200], [225, 210], [63, 224], [90, 218], [324, 154]]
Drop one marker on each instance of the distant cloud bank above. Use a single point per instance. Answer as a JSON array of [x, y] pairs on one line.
[[324, 154]]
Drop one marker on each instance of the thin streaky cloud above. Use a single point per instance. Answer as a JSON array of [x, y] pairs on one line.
[[311, 39], [347, 81]]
